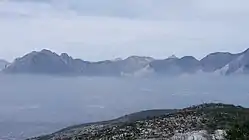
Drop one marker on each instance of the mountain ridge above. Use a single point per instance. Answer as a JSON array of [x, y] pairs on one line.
[[48, 62]]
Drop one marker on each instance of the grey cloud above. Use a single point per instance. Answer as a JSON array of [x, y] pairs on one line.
[[151, 9], [95, 30]]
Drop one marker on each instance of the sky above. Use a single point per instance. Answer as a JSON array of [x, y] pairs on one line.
[[107, 29]]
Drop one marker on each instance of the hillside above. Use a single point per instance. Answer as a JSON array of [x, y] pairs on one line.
[[203, 119]]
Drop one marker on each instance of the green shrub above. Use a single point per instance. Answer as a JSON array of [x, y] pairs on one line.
[[238, 132]]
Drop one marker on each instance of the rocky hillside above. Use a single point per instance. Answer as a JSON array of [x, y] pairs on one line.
[[47, 62], [202, 122]]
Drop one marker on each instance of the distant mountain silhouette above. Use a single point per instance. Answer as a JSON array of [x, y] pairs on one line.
[[176, 66], [43, 62], [238, 65], [3, 64], [215, 61], [47, 62]]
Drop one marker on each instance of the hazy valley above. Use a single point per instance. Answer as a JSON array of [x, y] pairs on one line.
[[50, 103]]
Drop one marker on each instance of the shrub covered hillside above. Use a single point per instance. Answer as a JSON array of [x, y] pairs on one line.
[[239, 131], [202, 121]]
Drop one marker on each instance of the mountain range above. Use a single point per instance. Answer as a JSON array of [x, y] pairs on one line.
[[48, 62]]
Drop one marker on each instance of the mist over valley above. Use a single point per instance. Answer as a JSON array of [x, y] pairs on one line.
[[49, 103]]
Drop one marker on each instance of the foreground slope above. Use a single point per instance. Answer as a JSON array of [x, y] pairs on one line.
[[198, 121]]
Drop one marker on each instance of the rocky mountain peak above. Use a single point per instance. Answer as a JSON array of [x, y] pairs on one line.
[[140, 58], [191, 58], [38, 62], [172, 57], [246, 51], [64, 55], [215, 61], [47, 52], [66, 58]]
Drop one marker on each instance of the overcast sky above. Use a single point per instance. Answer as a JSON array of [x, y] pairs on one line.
[[106, 29]]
